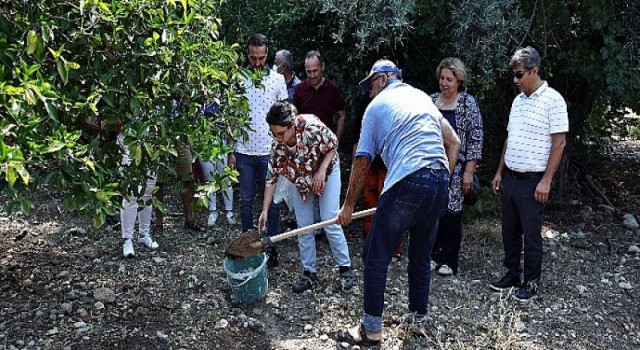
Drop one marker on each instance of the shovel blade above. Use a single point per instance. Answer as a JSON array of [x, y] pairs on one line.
[[247, 244]]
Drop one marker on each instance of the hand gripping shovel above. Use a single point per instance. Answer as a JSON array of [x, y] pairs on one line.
[[250, 243]]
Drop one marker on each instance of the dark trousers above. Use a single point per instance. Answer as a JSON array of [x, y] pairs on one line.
[[446, 248], [522, 221], [252, 171], [413, 204]]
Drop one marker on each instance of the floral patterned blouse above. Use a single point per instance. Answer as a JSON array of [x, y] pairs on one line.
[[469, 130], [300, 162]]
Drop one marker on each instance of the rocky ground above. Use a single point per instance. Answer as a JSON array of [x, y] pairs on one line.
[[64, 285]]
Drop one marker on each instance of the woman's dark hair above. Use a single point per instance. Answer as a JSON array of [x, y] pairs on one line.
[[281, 113]]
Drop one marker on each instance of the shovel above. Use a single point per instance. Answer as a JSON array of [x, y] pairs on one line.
[[250, 243]]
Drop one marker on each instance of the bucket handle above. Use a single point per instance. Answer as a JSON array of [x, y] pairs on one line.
[[247, 276]]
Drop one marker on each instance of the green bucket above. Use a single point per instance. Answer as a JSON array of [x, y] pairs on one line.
[[247, 277]]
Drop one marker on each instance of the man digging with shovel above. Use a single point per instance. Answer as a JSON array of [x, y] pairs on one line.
[[418, 146]]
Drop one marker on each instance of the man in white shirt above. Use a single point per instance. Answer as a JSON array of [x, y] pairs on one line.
[[538, 123], [251, 158]]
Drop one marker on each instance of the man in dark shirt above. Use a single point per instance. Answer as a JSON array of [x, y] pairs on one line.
[[319, 95]]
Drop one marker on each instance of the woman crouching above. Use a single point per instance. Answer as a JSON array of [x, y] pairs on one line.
[[304, 151]]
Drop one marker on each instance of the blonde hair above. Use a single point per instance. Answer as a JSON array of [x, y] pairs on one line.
[[457, 68]]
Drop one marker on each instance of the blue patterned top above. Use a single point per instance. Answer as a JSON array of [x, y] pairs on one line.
[[468, 126]]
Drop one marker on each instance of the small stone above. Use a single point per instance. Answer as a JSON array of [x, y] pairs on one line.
[[83, 313], [630, 222], [344, 345], [211, 240], [581, 289], [66, 307], [607, 208], [122, 270], [308, 327], [158, 260], [52, 331], [104, 295], [633, 249], [324, 337], [79, 324], [161, 335], [76, 231], [551, 234], [98, 305], [222, 323], [625, 285], [63, 274], [20, 342]]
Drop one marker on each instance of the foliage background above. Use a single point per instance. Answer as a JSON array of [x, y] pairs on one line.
[[73, 73]]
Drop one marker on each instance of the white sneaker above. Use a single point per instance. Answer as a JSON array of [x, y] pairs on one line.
[[213, 217], [127, 248], [433, 265], [148, 242], [444, 270], [231, 219]]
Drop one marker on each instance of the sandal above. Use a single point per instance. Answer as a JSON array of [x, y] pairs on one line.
[[345, 336]]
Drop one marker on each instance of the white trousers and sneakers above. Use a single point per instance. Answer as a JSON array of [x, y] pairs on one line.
[[208, 171], [128, 216], [130, 212]]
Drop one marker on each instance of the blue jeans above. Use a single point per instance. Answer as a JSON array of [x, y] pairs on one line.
[[329, 205], [414, 204], [252, 174]]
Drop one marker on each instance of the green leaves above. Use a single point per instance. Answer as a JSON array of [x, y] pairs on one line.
[[74, 77]]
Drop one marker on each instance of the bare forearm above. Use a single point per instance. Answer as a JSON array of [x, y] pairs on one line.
[[327, 159], [340, 127], [501, 165], [269, 190], [471, 166], [555, 157], [451, 143], [359, 171]]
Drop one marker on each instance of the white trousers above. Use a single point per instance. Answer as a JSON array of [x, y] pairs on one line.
[[130, 208]]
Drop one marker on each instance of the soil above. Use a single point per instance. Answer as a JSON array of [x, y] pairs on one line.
[[53, 267]]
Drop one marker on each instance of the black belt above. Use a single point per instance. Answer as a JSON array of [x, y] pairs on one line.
[[525, 175]]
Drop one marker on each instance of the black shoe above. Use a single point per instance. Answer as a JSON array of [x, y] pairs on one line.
[[507, 281], [527, 292], [273, 259], [308, 280]]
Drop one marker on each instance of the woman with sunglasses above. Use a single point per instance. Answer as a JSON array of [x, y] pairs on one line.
[[304, 151], [462, 112]]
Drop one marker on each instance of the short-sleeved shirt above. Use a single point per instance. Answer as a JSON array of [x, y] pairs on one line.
[[323, 102], [260, 101], [300, 162], [403, 126], [532, 121], [291, 87]]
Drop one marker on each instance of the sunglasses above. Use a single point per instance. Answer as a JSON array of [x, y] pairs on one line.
[[520, 73]]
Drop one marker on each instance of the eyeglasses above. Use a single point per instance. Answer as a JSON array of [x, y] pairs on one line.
[[520, 73], [279, 135]]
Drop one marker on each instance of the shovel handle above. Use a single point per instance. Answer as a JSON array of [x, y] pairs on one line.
[[316, 226]]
